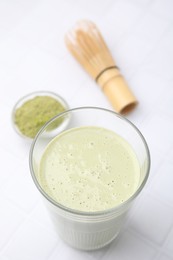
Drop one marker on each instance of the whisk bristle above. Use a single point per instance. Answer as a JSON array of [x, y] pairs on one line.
[[87, 45]]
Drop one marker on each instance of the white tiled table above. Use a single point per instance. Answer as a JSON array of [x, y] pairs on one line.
[[33, 57]]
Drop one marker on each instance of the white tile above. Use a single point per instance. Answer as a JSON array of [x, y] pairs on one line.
[[157, 129], [156, 162], [148, 89], [170, 155], [36, 68], [9, 163], [165, 104], [4, 75], [54, 41], [164, 257], [169, 241], [11, 219], [75, 13], [66, 78], [160, 60], [20, 188], [142, 2], [152, 219], [120, 20], [35, 26], [19, 85], [44, 19], [31, 4], [97, 7], [31, 242], [4, 257], [151, 28], [54, 44], [4, 32], [11, 14], [130, 247], [90, 94], [9, 139], [66, 252], [63, 251], [163, 8], [41, 215], [162, 183], [12, 51], [130, 53]]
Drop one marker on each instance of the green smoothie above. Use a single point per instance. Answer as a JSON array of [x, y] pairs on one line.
[[89, 169]]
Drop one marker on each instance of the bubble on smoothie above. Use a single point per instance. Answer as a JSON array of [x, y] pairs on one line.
[[89, 169]]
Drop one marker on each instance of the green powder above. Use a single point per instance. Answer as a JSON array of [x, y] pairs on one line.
[[34, 113]]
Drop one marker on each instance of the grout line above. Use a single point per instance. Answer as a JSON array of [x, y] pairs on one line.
[[14, 231], [162, 201], [53, 250], [158, 248], [28, 217], [144, 239]]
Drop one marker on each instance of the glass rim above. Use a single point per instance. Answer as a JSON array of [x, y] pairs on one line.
[[87, 213]]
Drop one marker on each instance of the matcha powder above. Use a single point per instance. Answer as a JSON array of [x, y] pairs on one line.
[[34, 113]]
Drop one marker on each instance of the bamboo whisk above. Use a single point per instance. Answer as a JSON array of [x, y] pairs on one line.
[[87, 45]]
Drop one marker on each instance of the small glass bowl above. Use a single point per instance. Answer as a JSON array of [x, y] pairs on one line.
[[29, 96]]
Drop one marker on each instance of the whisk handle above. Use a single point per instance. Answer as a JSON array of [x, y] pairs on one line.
[[116, 89]]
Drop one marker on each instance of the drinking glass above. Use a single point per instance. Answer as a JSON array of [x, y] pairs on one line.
[[89, 230]]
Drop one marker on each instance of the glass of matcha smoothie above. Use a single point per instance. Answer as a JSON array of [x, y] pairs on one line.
[[89, 169]]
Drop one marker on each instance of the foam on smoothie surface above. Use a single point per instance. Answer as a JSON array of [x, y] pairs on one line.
[[89, 169]]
